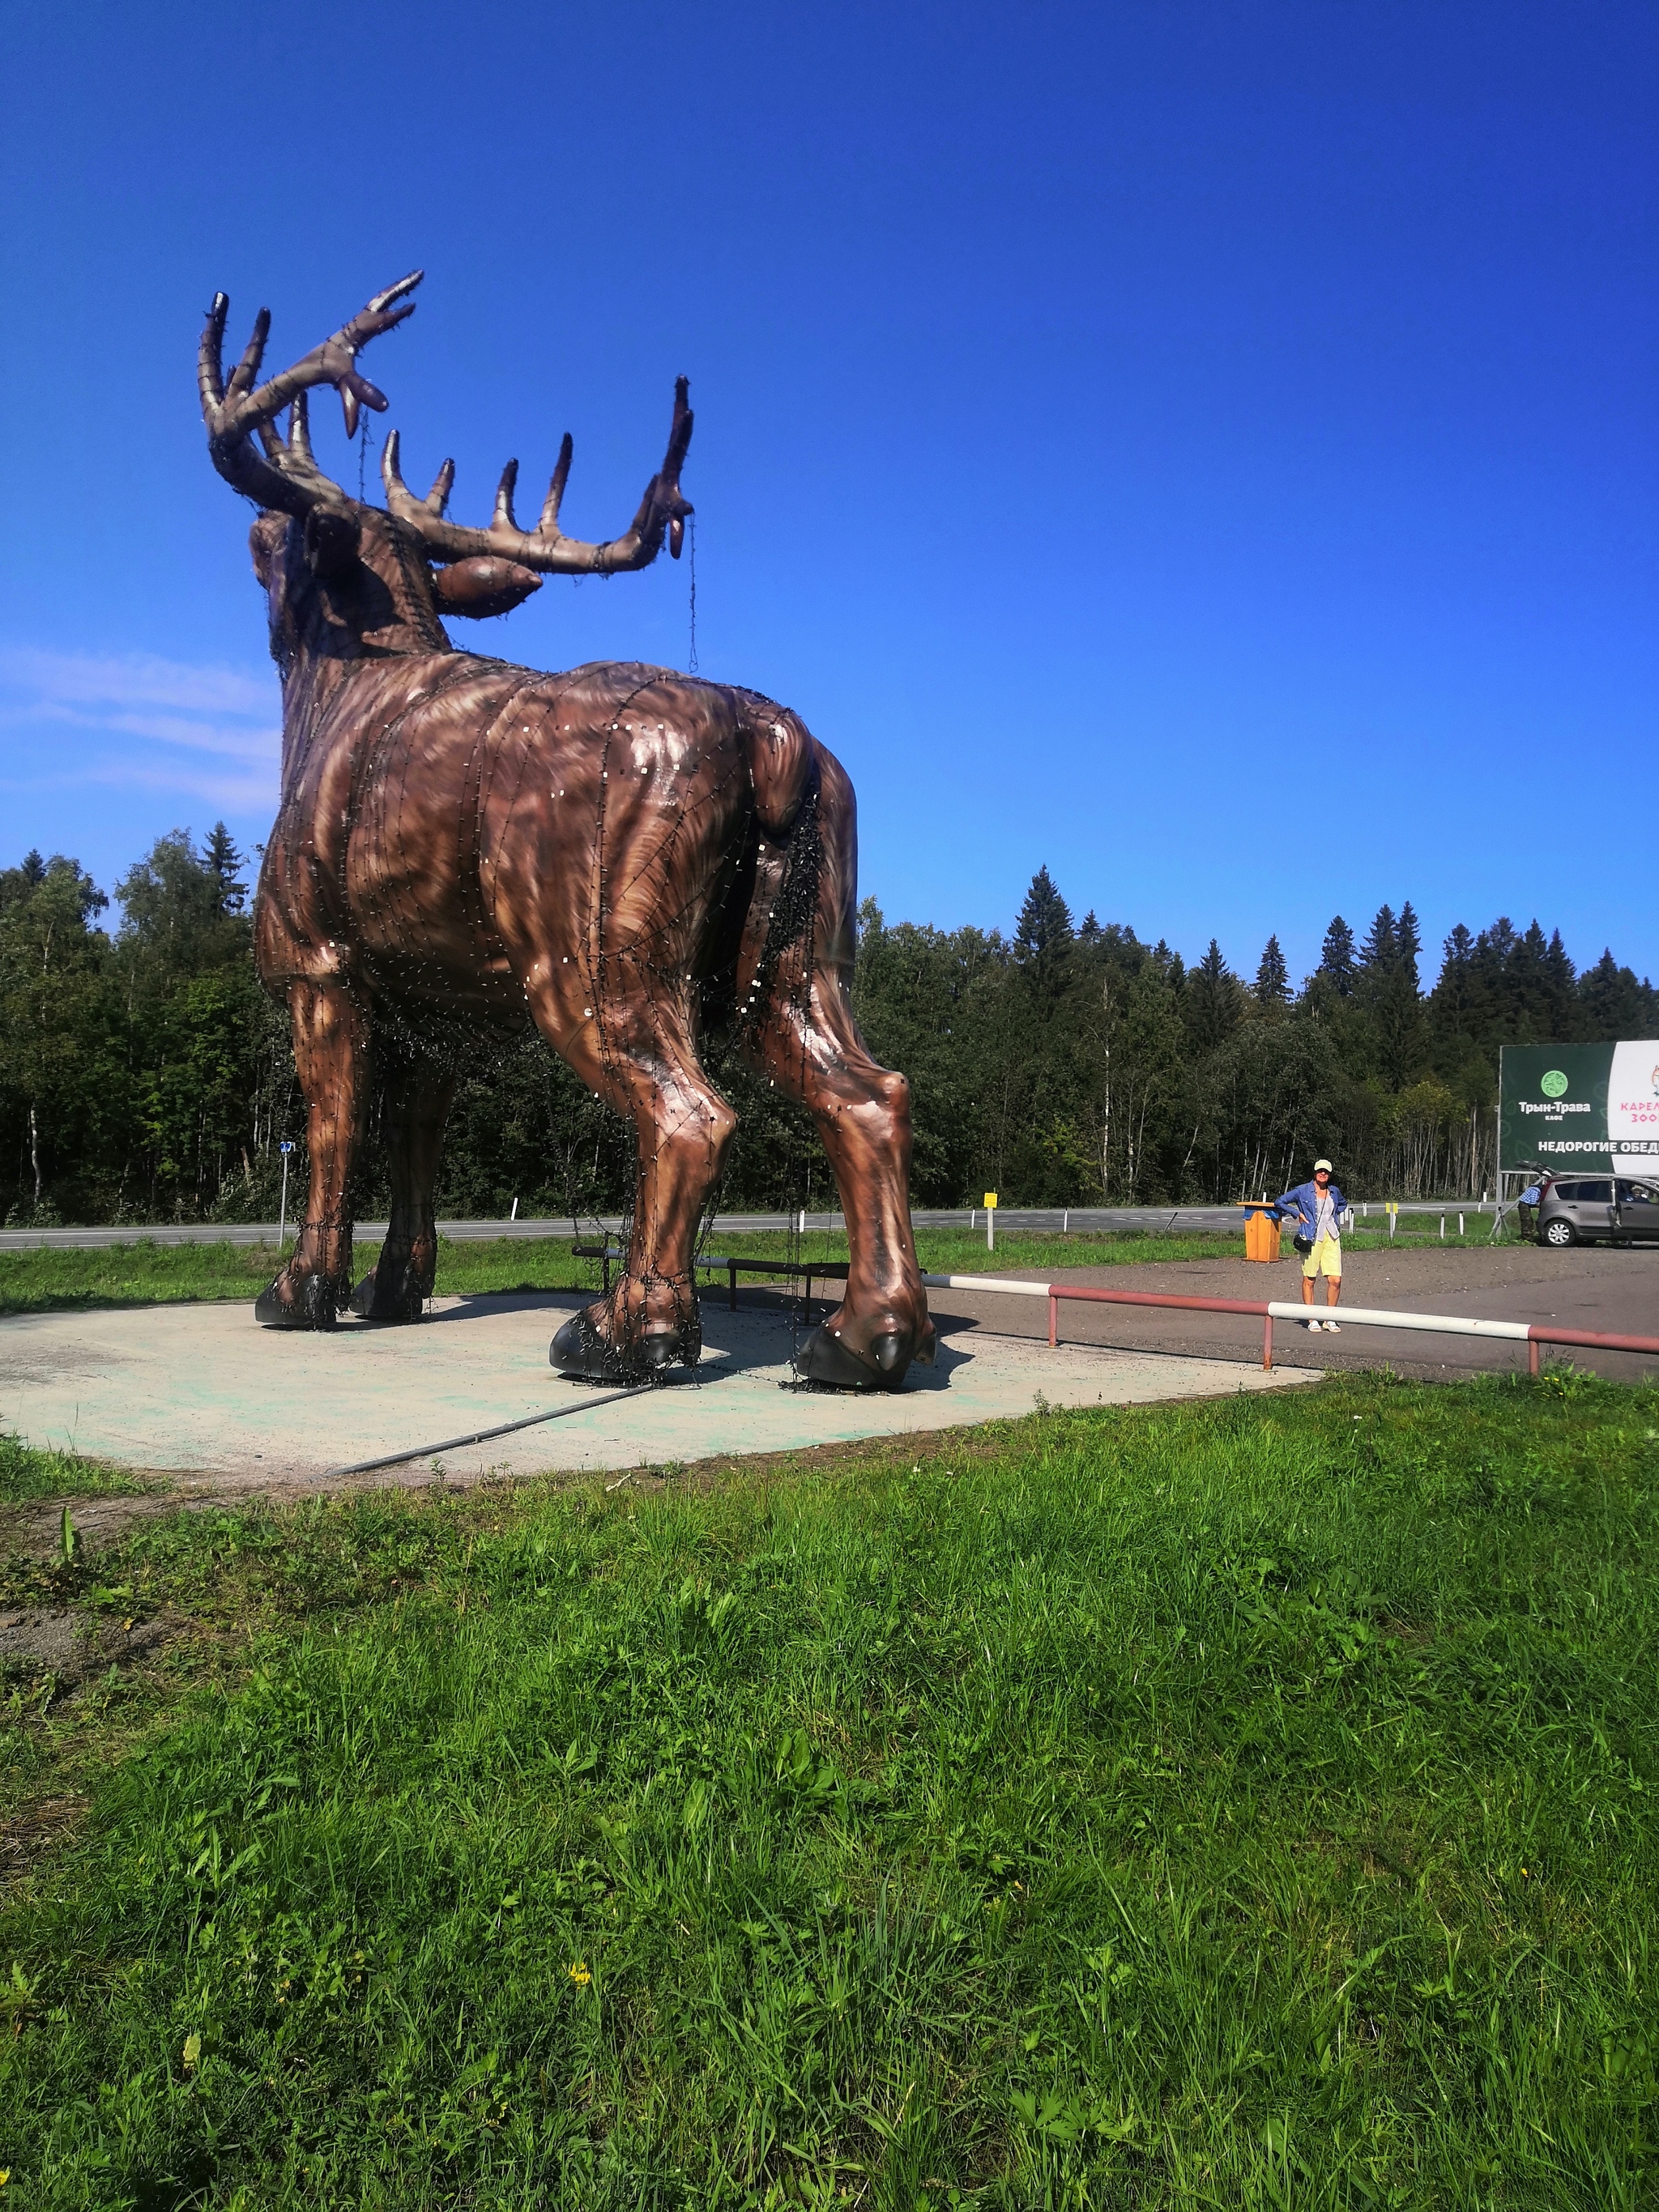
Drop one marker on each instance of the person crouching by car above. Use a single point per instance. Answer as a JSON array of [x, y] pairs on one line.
[[1316, 1209]]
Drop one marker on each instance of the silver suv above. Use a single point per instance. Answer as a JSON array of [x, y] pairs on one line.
[[1590, 1209]]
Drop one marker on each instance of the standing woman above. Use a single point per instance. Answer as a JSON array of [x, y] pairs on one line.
[[1317, 1207]]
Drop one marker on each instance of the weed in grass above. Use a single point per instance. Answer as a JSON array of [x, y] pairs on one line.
[[1240, 1803]]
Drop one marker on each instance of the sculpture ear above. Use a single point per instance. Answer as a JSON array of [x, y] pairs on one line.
[[264, 543], [330, 543], [484, 586]]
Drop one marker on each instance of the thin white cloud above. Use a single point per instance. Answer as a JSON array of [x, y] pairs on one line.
[[139, 679], [70, 720]]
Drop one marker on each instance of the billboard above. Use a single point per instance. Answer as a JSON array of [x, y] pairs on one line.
[[1578, 1105]]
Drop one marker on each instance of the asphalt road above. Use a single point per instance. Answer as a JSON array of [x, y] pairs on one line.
[[1193, 1219]]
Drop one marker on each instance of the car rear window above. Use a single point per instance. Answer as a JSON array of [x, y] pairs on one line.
[[1588, 1193]]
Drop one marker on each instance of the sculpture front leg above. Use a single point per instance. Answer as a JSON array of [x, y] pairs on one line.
[[332, 1056]]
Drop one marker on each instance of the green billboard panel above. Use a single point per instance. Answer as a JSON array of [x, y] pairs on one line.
[[1578, 1105]]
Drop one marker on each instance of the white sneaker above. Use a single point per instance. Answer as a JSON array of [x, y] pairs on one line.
[[1311, 1324], [1333, 1328]]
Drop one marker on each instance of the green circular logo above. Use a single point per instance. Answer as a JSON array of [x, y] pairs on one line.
[[1554, 1084]]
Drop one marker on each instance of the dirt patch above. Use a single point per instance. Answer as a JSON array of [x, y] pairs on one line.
[[34, 1530], [37, 1636], [59, 1641], [26, 1837]]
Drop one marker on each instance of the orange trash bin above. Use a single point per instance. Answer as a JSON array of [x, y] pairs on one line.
[[1261, 1232]]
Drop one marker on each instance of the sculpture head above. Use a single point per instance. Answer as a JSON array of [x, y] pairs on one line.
[[348, 580]]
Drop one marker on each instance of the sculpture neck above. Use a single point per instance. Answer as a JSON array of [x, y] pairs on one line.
[[378, 605]]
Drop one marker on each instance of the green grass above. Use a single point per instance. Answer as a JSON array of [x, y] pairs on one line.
[[44, 1280], [51, 1279], [1239, 1805], [27, 1473]]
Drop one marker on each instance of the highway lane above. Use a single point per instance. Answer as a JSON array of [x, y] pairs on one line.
[[1192, 1220]]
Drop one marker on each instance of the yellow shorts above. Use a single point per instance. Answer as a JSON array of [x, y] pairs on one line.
[[1325, 1259]]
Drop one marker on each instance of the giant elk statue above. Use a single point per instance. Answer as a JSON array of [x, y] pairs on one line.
[[622, 855]]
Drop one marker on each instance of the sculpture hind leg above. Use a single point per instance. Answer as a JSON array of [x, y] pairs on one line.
[[644, 1065], [808, 1042], [332, 1054], [417, 1098]]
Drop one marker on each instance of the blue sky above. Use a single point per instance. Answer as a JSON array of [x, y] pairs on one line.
[[1208, 450]]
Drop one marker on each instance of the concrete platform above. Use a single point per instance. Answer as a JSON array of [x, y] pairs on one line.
[[200, 1390]]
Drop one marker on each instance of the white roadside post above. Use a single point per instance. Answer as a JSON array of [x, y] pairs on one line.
[[284, 1148], [990, 1221]]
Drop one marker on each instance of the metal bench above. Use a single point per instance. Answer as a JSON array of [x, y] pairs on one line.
[[828, 1271]]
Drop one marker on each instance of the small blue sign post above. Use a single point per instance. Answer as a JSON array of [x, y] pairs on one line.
[[284, 1148]]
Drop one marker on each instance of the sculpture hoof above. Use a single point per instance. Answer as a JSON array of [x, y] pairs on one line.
[[314, 1308], [579, 1351], [406, 1303], [825, 1357]]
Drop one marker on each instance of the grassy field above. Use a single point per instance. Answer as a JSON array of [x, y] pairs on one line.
[[49, 1279], [1249, 1804]]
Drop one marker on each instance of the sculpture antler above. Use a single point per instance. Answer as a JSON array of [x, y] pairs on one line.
[[546, 548], [288, 476]]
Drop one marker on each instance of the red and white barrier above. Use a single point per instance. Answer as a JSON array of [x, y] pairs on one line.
[[1531, 1334]]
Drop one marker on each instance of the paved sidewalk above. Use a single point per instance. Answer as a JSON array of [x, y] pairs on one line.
[[203, 1391]]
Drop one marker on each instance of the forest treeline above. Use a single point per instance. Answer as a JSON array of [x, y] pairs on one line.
[[145, 1077]]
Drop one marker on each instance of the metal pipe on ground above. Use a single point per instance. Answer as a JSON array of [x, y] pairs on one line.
[[483, 1436]]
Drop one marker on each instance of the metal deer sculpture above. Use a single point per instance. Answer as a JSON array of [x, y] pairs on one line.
[[620, 855]]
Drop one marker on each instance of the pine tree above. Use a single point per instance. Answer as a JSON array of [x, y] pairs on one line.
[[1044, 937], [1090, 930], [1407, 944], [1043, 931], [1612, 1004], [1454, 996], [1214, 1001], [221, 858], [1561, 980], [1386, 989], [1381, 951], [1272, 979], [1338, 957]]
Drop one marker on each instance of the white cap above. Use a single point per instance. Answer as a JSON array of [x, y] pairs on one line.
[[1322, 1164]]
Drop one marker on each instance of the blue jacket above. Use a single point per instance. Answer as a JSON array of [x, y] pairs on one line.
[[1304, 1202]]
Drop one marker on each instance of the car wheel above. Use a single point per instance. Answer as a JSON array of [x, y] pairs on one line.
[[1559, 1233]]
